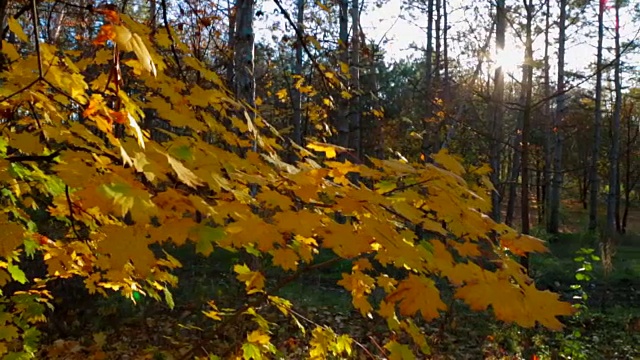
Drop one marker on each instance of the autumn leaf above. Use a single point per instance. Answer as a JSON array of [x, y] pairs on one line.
[[329, 150], [12, 235], [287, 259], [253, 280], [16, 28], [129, 41], [522, 244], [399, 351], [185, 175], [417, 294]]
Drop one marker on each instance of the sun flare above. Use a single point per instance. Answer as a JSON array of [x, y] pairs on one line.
[[510, 58]]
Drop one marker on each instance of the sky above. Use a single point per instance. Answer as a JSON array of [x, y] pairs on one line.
[[385, 22]]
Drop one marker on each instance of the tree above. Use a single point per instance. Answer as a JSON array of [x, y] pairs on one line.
[[427, 137], [497, 110], [594, 177], [558, 127], [296, 94], [343, 125], [355, 121], [73, 154], [614, 154]]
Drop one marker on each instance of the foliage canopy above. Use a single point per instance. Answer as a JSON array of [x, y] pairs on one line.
[[91, 186]]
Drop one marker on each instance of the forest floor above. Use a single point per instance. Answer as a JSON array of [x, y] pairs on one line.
[[113, 328]]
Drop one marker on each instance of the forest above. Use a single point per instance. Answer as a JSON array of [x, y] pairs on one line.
[[326, 179]]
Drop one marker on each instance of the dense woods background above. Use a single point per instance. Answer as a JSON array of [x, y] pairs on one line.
[[219, 179]]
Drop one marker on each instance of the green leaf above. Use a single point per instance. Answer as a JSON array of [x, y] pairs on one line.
[[182, 152], [251, 351], [399, 351], [580, 276], [205, 236], [8, 332], [17, 274], [168, 297]]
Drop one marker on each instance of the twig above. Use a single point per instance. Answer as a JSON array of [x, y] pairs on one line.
[[71, 217], [34, 11], [38, 158], [173, 46]]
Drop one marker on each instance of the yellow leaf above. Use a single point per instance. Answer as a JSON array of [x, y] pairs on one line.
[[344, 67], [10, 51], [360, 285], [328, 149], [322, 341], [129, 41], [418, 294], [214, 313], [253, 280], [521, 244], [449, 162], [399, 351], [15, 28], [12, 234], [282, 94], [287, 259], [258, 337], [124, 244], [100, 339], [185, 175], [323, 6]]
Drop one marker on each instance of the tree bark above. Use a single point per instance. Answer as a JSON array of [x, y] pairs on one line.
[[428, 84], [527, 70], [553, 218], [593, 171], [297, 70], [343, 49], [497, 111], [355, 141], [545, 189], [614, 154]]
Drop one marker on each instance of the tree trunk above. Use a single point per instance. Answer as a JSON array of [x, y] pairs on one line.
[[547, 124], [446, 89], [497, 111], [628, 186], [516, 163], [593, 175], [614, 154], [343, 104], [375, 86], [553, 218], [297, 70], [527, 70], [428, 84], [231, 41], [355, 126]]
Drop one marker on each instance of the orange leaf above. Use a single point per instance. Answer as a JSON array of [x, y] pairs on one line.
[[106, 33]]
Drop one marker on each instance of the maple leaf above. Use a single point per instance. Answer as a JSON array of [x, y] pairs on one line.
[[329, 149], [360, 285], [253, 280], [417, 294], [185, 175], [399, 351], [124, 244], [287, 259], [12, 235], [15, 28], [521, 244], [321, 342]]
